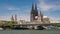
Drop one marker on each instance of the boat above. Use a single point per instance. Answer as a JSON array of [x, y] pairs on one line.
[[1, 29]]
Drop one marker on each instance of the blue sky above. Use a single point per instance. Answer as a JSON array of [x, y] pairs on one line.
[[22, 8]]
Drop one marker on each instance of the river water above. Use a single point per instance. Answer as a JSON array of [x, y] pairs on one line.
[[30, 32]]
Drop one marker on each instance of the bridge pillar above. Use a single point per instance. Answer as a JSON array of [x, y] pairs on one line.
[[35, 27]]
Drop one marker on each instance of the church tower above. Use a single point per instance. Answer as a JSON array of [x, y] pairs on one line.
[[41, 15], [34, 13], [12, 18], [15, 17]]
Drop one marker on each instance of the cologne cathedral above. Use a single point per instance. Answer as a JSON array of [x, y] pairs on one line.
[[35, 17]]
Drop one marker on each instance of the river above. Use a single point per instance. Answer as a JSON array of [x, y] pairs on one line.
[[30, 32]]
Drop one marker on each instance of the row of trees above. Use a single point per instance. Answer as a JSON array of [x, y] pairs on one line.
[[8, 23]]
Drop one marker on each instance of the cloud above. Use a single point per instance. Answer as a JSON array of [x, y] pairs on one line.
[[54, 20], [22, 13], [50, 5], [45, 6], [6, 18], [12, 8], [21, 17]]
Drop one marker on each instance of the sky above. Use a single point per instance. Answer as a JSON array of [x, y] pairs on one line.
[[22, 8]]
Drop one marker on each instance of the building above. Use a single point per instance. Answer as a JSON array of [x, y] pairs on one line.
[[34, 13], [15, 18], [12, 18], [35, 17], [40, 17], [46, 19], [21, 22]]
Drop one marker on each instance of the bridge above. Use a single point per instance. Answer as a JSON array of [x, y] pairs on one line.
[[32, 24], [29, 25]]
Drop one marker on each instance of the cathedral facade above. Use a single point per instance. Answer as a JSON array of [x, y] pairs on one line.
[[34, 16], [34, 13]]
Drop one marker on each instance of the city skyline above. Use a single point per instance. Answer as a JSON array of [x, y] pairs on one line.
[[22, 8]]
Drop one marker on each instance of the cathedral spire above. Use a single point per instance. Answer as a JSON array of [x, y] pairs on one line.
[[41, 16], [32, 6], [34, 12], [35, 6]]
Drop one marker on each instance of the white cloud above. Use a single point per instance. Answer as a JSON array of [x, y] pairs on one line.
[[21, 17], [23, 13], [49, 6], [54, 20], [12, 8], [45, 7], [6, 18]]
